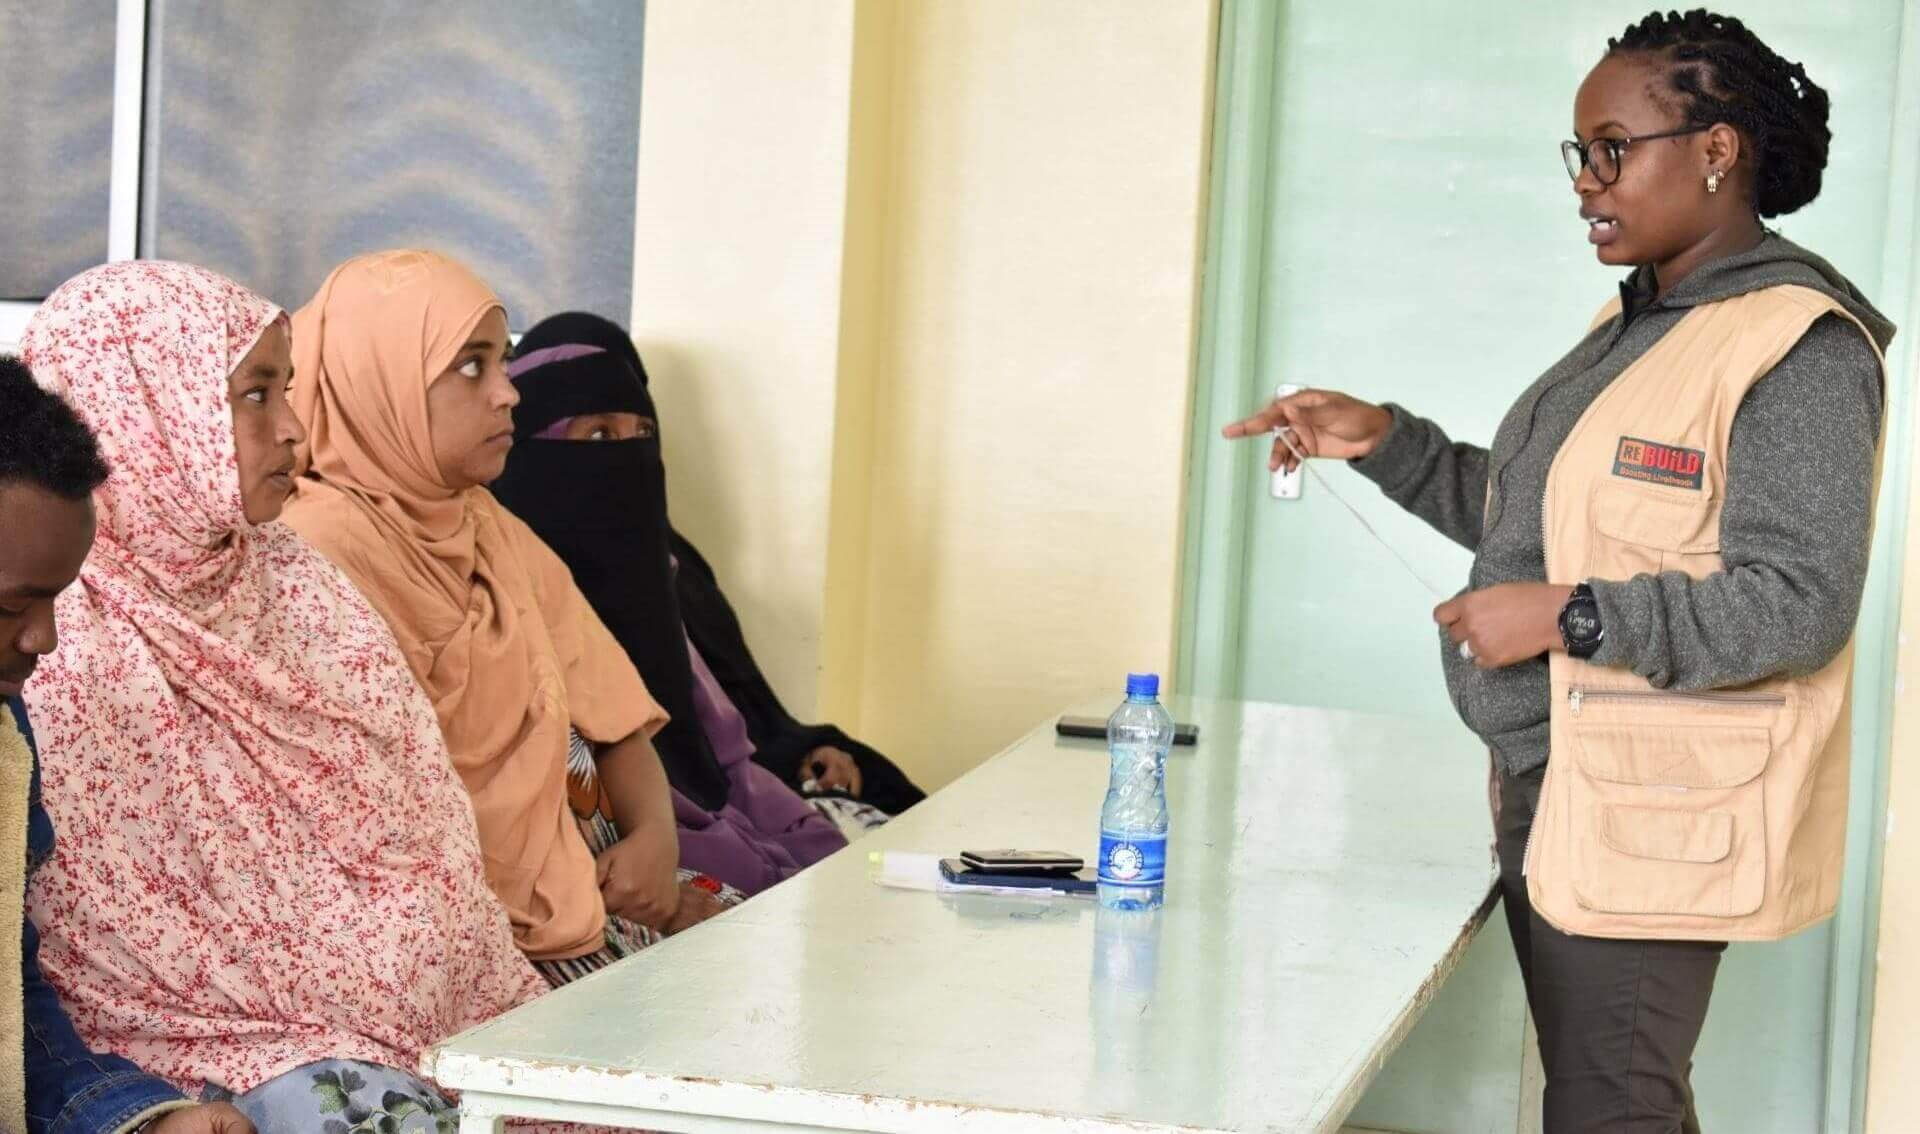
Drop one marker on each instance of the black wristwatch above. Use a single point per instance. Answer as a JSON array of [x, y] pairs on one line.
[[1580, 630]]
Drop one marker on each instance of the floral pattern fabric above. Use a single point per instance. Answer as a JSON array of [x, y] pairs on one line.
[[342, 1096], [266, 858]]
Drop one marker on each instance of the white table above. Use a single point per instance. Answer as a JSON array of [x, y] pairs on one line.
[[1327, 871]]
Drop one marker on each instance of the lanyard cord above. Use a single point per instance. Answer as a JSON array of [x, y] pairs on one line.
[[1285, 434]]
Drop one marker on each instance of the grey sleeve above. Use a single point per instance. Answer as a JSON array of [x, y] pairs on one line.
[[1794, 533], [1441, 481]]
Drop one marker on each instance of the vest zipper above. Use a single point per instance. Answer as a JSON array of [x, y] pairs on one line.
[[1577, 696], [1526, 848]]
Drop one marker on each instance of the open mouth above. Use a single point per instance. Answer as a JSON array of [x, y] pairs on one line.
[[1601, 229]]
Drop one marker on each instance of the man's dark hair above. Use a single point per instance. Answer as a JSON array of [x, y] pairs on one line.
[[1719, 71], [42, 441]]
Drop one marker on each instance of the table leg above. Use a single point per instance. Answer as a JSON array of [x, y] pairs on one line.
[[480, 1123]]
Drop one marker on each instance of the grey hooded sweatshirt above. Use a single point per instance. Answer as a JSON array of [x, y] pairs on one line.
[[1794, 530]]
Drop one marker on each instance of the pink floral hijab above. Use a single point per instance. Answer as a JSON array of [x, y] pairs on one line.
[[265, 856]]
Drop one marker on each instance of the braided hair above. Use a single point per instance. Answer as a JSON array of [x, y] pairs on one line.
[[1723, 73]]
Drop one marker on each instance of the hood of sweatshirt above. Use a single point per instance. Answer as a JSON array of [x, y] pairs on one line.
[[1775, 260]]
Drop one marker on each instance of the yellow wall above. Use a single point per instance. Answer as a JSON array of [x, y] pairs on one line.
[[919, 281], [736, 298], [1044, 249]]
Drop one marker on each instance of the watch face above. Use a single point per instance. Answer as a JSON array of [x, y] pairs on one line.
[[1583, 622]]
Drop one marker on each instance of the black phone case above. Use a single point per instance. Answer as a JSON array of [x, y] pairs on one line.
[[961, 874], [1064, 864], [1184, 735]]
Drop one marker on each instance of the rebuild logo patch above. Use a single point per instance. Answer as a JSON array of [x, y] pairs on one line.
[[1654, 463]]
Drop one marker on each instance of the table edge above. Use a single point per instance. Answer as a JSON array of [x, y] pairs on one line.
[[446, 1064], [503, 1080]]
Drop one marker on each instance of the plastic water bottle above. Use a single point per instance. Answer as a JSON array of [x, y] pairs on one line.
[[1133, 822]]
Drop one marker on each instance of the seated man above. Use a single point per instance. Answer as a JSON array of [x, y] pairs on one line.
[[49, 1081]]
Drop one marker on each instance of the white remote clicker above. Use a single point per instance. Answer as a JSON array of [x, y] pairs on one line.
[[1286, 485]]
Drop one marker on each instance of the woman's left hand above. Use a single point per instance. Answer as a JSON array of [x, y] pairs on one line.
[[1505, 624]]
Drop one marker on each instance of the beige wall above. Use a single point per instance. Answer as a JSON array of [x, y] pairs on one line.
[[736, 298], [1044, 244], [919, 282]]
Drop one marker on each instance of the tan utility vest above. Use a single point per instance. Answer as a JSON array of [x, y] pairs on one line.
[[16, 777], [1717, 815]]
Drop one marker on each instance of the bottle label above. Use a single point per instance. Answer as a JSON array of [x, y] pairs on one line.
[[1133, 860]]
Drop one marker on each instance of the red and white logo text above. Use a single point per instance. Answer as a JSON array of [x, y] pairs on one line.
[[1654, 463]]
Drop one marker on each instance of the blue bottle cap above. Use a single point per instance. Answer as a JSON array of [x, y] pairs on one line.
[[1143, 685]]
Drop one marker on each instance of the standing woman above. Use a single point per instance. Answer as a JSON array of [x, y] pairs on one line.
[[1671, 533]]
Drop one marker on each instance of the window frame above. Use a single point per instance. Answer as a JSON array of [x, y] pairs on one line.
[[123, 194]]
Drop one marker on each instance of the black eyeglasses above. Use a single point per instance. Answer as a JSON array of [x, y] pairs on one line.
[[1602, 155]]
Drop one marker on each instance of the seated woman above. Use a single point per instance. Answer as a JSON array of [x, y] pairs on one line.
[[602, 508], [407, 407], [819, 760], [268, 880], [49, 467]]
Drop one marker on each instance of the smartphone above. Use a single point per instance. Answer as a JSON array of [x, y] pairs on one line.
[[1023, 862], [1095, 728], [961, 874]]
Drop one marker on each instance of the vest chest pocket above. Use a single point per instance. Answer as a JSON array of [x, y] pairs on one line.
[[1646, 530], [1670, 817]]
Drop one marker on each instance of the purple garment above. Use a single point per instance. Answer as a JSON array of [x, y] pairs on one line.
[[766, 833], [562, 353]]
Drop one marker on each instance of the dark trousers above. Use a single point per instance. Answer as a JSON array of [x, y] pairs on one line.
[[1617, 1019]]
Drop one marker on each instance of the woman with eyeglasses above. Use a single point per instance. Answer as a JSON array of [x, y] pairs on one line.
[[1670, 535]]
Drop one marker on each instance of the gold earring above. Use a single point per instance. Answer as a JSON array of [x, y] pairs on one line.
[[1713, 182]]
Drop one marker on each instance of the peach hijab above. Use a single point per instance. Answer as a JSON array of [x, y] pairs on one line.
[[489, 619]]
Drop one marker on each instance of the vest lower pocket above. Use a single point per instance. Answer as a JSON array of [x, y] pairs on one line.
[[1669, 817]]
